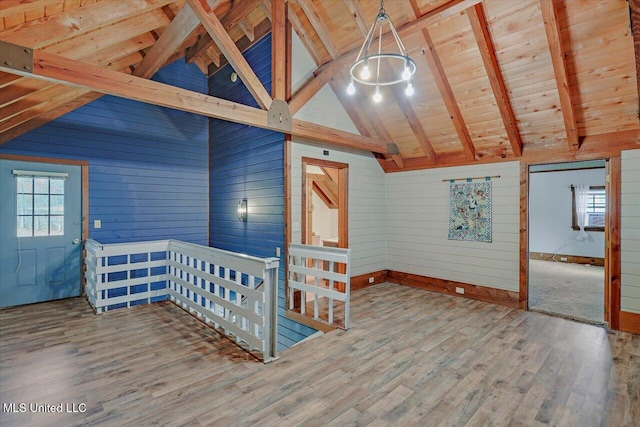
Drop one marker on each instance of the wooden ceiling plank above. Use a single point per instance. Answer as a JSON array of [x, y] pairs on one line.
[[74, 73], [414, 123], [319, 27], [238, 12], [554, 38], [302, 34], [311, 87], [480, 30], [243, 44], [51, 30], [231, 52], [278, 49], [355, 8], [180, 28], [444, 11], [447, 95]]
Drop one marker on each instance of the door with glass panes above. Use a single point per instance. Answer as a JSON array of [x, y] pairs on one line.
[[40, 232]]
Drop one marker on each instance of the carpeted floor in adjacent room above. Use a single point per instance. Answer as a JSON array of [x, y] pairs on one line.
[[570, 290]]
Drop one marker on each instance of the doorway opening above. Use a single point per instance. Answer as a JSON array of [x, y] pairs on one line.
[[567, 234], [324, 203]]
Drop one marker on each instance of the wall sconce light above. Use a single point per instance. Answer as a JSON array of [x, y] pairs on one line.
[[242, 210]]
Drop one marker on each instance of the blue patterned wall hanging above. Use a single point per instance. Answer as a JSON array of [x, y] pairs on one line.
[[470, 211]]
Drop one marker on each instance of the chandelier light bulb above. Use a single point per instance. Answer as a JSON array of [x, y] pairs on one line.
[[351, 89], [365, 74], [406, 74], [377, 97], [409, 90]]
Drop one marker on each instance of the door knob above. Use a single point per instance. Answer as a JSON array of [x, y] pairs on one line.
[[76, 241]]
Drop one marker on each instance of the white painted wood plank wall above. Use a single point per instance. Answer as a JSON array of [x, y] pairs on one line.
[[630, 231], [366, 203], [417, 227]]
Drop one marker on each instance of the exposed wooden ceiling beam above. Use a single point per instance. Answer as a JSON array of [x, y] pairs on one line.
[[247, 29], [302, 34], [554, 38], [182, 26], [49, 31], [311, 87], [261, 30], [444, 11], [229, 49], [593, 147], [74, 73], [355, 8], [447, 95], [480, 29], [239, 11], [414, 123], [319, 27], [279, 49]]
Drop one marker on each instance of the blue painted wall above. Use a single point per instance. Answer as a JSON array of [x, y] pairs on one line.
[[147, 164], [248, 163]]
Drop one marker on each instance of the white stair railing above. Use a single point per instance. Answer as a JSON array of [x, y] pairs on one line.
[[323, 272], [235, 292]]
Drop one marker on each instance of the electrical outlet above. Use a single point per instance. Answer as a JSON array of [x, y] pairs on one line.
[[563, 258], [371, 279], [459, 290], [97, 223], [278, 251]]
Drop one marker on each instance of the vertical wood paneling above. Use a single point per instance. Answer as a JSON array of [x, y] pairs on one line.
[[630, 232], [147, 164], [248, 163], [417, 227], [367, 239]]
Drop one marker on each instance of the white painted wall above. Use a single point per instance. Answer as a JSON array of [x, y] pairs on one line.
[[366, 203], [324, 108], [550, 213], [630, 231], [324, 220], [417, 227], [366, 227]]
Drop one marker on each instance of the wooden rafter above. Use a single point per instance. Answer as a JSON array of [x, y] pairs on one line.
[[414, 123], [238, 12], [182, 26], [231, 52], [74, 73], [358, 15], [319, 27], [300, 31], [50, 31], [444, 11], [554, 38], [447, 95], [487, 51], [278, 49], [261, 30], [311, 87]]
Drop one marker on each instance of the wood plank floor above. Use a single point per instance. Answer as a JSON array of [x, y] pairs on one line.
[[412, 357]]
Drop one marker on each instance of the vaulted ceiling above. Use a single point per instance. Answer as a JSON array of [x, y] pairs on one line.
[[539, 80]]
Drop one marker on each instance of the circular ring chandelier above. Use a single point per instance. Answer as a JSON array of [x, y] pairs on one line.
[[386, 64]]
